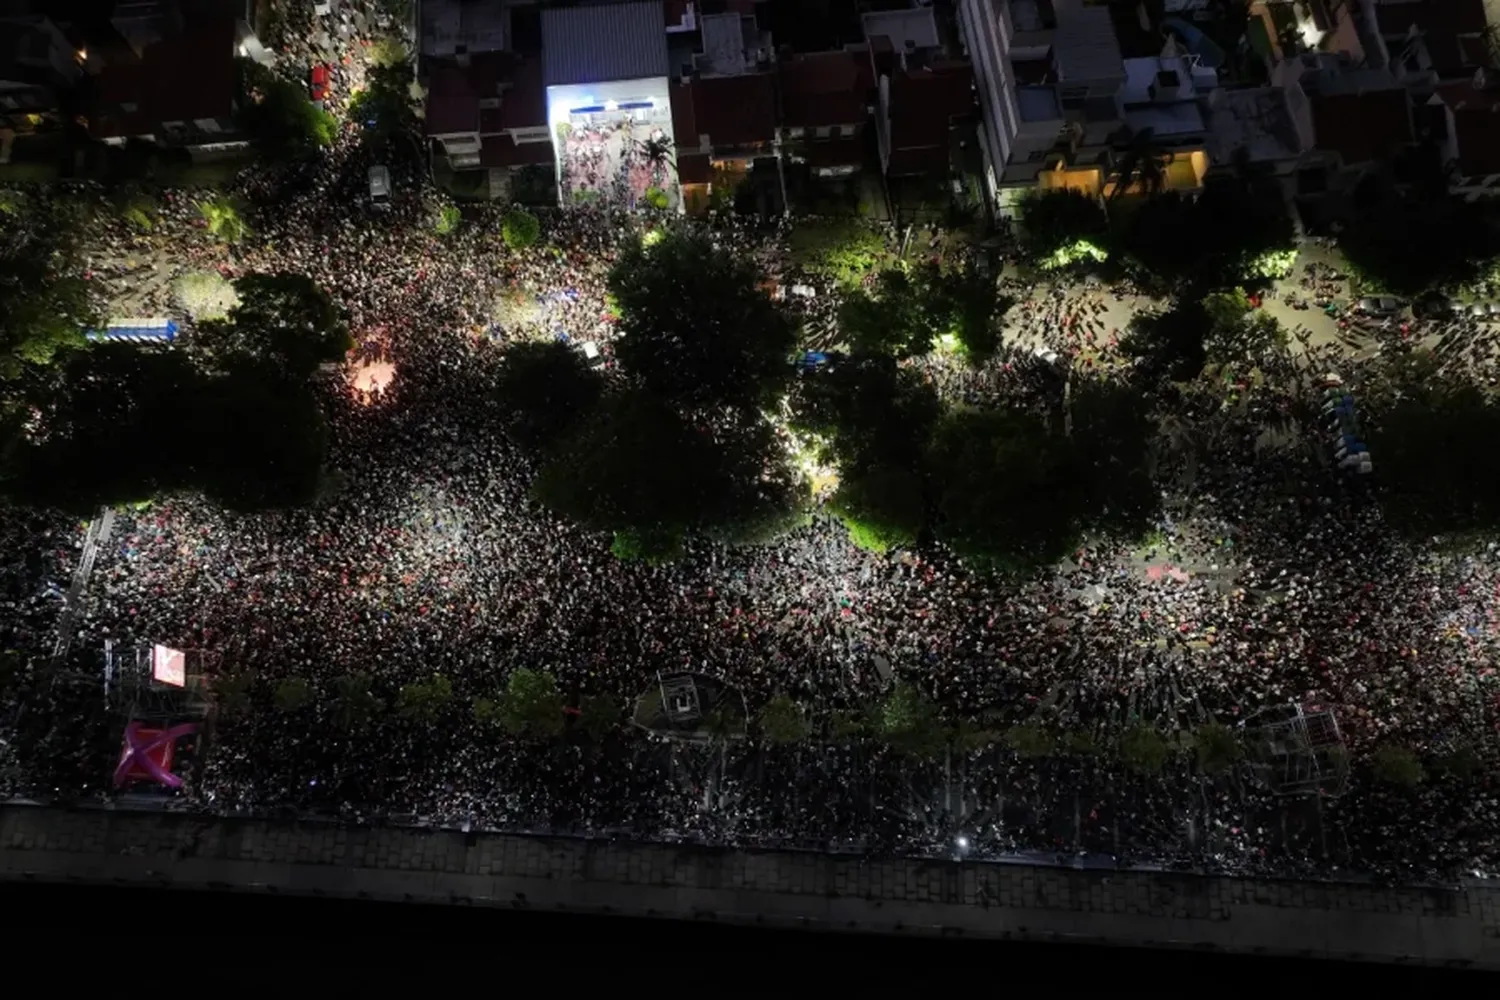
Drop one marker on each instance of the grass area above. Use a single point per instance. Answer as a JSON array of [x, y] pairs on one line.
[[207, 175], [28, 173]]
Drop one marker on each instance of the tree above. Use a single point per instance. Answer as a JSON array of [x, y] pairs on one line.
[[1217, 748], [1408, 245], [783, 721], [1063, 227], [278, 114], [1002, 481], [1140, 163], [520, 229], [1237, 233], [908, 721], [532, 706], [1236, 332], [425, 701], [225, 218], [1143, 750], [1396, 765], [292, 695], [696, 328], [46, 301], [285, 320], [866, 411], [354, 704], [655, 545], [544, 387], [840, 250], [1170, 342], [1424, 431], [882, 507], [1110, 483], [384, 107], [598, 715], [901, 315], [448, 218]]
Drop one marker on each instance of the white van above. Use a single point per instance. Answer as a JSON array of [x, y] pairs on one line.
[[380, 185]]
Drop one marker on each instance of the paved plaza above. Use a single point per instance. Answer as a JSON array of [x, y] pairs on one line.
[[1457, 926]]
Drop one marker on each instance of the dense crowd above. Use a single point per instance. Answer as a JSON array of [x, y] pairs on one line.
[[1270, 583]]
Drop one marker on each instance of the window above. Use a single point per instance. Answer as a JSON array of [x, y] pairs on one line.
[[823, 132]]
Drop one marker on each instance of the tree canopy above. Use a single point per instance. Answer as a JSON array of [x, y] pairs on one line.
[[544, 388], [840, 250], [278, 113], [1063, 227], [285, 320], [696, 328], [1409, 245], [1231, 235], [45, 304]]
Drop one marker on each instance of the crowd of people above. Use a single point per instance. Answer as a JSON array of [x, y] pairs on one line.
[[1266, 586]]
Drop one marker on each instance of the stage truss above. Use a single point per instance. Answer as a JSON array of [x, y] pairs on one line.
[[1297, 749]]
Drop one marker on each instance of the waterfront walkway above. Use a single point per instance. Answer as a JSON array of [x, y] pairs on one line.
[[1458, 926]]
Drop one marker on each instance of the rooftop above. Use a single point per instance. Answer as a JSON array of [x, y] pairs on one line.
[[1255, 120], [915, 28], [1362, 126], [1147, 80], [735, 110], [1453, 30], [450, 27], [184, 77], [601, 43], [1084, 47], [827, 88], [454, 93], [1476, 126], [1181, 118], [1038, 104], [730, 44], [925, 102]]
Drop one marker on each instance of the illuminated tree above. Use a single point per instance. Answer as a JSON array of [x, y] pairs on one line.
[[841, 250], [909, 721], [882, 507], [520, 229], [532, 705], [1063, 227]]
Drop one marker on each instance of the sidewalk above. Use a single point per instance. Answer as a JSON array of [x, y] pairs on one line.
[[1454, 927]]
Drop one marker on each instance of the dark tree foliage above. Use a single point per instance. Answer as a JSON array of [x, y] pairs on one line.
[[901, 315], [1052, 221], [869, 411], [1197, 246], [1170, 342], [278, 114], [543, 389], [696, 329], [44, 300], [383, 108], [883, 506], [1004, 489], [284, 320], [124, 425], [1112, 431], [1410, 245], [1426, 433]]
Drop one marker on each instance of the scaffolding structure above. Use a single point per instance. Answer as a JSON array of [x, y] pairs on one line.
[[679, 699], [1297, 749]]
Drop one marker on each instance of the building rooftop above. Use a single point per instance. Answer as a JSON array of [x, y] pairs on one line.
[[730, 44], [1453, 30], [827, 88], [1084, 46], [184, 77], [1362, 126], [454, 93], [923, 107], [735, 110], [1145, 82], [601, 43], [1181, 118], [1256, 120], [451, 27], [1476, 126], [1038, 104], [915, 28]]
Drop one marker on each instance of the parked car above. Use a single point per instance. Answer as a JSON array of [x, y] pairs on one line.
[[380, 186], [318, 83], [1379, 305], [1434, 307]]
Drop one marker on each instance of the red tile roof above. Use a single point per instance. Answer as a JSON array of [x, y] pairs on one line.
[[736, 110], [186, 76], [827, 88], [1443, 24], [1361, 127], [832, 152], [1476, 127], [502, 151], [923, 106], [454, 93]]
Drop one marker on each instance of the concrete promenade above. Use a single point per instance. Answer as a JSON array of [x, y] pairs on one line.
[[1458, 927]]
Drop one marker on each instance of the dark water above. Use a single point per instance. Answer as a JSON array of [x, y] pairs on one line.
[[296, 931]]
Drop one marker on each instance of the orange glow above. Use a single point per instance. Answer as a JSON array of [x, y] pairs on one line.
[[370, 378]]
